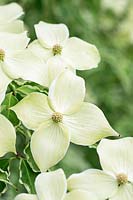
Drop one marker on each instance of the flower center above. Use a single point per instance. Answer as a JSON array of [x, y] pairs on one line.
[[2, 55], [122, 179], [57, 117], [57, 49]]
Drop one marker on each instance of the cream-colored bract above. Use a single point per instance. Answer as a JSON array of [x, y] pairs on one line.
[[9, 15], [53, 186], [16, 26], [53, 41], [79, 122], [9, 44], [115, 182], [24, 196], [7, 136], [55, 66], [80, 195], [19, 62], [10, 12], [54, 140], [4, 81]]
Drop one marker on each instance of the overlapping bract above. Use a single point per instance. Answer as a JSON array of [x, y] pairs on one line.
[[9, 21], [53, 186]]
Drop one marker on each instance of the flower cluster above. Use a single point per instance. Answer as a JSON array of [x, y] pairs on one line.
[[59, 116]]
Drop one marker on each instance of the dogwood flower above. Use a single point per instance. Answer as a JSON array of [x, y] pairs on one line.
[[9, 15], [7, 136], [53, 40], [18, 62], [115, 182], [53, 186], [60, 118]]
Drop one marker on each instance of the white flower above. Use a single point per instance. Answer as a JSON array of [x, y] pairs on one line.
[[115, 182], [18, 62], [118, 6], [9, 15], [60, 118], [53, 40], [53, 186], [60, 52], [7, 136]]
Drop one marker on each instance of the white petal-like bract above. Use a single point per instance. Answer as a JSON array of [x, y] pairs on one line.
[[95, 181], [49, 144], [24, 196], [7, 136], [125, 192], [33, 110], [24, 64], [4, 80], [11, 42], [120, 154], [10, 12], [51, 185], [67, 93], [51, 34], [16, 26], [40, 51], [88, 125], [56, 65], [80, 195], [80, 54]]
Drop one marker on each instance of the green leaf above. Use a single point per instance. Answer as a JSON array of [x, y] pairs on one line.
[[30, 159], [23, 139], [3, 188], [21, 143], [14, 176], [4, 181], [27, 89], [27, 176], [10, 100], [4, 163]]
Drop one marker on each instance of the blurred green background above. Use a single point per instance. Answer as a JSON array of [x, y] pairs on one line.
[[110, 27]]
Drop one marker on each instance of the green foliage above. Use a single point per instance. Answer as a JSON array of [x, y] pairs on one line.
[[27, 176], [10, 100]]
